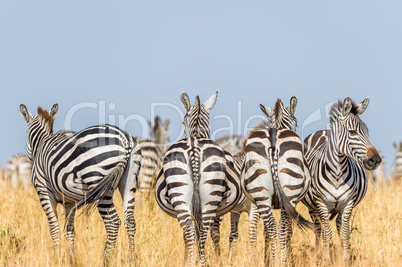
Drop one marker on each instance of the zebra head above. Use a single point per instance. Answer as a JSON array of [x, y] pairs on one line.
[[40, 126], [159, 133], [196, 120], [350, 133], [280, 116]]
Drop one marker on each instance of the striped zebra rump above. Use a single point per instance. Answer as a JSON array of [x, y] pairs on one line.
[[151, 164], [78, 163], [176, 157], [274, 156]]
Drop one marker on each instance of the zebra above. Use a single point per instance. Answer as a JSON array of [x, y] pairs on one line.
[[230, 143], [336, 160], [273, 176], [396, 169], [152, 154], [196, 182], [19, 169], [86, 167]]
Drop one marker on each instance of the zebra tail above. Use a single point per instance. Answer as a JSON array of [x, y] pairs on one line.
[[284, 202], [107, 184], [196, 199]]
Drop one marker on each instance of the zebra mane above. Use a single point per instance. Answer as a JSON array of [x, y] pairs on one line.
[[336, 110], [262, 125], [277, 107], [46, 117]]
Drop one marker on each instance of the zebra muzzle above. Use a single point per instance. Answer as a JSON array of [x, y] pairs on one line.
[[373, 160]]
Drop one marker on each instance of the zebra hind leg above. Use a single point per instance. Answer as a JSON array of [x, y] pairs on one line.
[[234, 232], [69, 230], [201, 243], [216, 235], [112, 223], [189, 238], [252, 227], [283, 236], [270, 234]]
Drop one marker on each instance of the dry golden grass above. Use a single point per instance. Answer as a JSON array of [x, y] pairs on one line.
[[25, 239]]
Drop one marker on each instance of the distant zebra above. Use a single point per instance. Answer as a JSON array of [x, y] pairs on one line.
[[19, 169], [335, 159], [84, 168], [230, 143], [273, 176], [396, 169], [196, 183], [152, 154]]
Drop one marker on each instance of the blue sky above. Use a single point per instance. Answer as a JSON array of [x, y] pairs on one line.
[[121, 58]]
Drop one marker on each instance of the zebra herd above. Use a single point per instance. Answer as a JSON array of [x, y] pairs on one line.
[[197, 180]]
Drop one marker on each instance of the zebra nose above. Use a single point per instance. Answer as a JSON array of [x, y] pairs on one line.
[[373, 162]]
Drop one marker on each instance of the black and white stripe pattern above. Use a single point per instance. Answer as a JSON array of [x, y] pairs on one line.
[[152, 154], [273, 176], [83, 168], [196, 183], [396, 169], [336, 159], [19, 169]]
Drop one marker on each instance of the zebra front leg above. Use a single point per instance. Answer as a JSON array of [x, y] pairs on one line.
[[112, 223], [270, 234], [327, 232], [49, 206], [315, 217], [342, 224], [216, 235], [69, 231], [234, 232], [252, 226]]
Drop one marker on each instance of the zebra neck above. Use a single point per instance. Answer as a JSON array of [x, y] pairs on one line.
[[336, 162]]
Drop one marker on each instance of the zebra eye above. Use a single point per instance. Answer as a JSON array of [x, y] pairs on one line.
[[352, 132]]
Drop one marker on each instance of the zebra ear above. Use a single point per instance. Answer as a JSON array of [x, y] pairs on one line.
[[25, 113], [347, 106], [185, 100], [167, 122], [293, 105], [53, 110], [210, 103], [267, 111], [362, 106], [158, 121]]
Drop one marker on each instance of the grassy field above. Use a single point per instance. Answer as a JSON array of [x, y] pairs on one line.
[[25, 238]]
